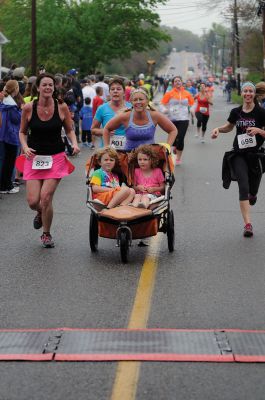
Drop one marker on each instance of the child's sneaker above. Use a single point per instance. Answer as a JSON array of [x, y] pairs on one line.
[[46, 240], [248, 230]]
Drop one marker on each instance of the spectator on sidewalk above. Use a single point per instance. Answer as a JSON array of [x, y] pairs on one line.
[[88, 90], [86, 122], [10, 110], [104, 86]]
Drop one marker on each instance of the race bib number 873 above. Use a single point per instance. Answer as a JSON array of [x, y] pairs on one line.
[[245, 141]]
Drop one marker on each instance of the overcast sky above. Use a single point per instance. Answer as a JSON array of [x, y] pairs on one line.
[[189, 15]]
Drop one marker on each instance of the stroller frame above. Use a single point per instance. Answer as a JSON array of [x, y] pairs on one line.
[[126, 223]]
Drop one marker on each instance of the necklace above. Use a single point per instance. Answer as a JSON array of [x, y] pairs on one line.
[[45, 109]]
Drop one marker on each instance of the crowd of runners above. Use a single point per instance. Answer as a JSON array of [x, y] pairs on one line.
[[46, 118]]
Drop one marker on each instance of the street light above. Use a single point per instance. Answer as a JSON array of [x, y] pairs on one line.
[[3, 40]]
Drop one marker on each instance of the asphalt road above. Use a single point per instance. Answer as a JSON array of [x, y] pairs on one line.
[[186, 64], [214, 279]]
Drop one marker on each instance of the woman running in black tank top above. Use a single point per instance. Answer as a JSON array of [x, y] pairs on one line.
[[45, 136], [46, 162]]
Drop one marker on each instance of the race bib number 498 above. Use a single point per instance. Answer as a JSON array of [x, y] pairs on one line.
[[245, 141], [42, 162]]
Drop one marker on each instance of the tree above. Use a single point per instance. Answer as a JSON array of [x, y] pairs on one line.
[[81, 34]]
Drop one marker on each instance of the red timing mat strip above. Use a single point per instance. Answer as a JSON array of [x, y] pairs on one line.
[[145, 357], [190, 345]]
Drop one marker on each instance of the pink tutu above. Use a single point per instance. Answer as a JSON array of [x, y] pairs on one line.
[[61, 167]]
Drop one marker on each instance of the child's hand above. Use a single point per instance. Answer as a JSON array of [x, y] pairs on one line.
[[141, 188]]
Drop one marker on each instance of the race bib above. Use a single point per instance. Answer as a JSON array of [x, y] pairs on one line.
[[118, 141], [42, 162], [203, 110], [245, 141], [174, 109]]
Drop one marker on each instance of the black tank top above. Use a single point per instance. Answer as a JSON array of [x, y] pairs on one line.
[[45, 136]]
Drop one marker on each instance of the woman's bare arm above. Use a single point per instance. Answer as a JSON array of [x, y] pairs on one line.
[[113, 124], [228, 127], [68, 126], [167, 126]]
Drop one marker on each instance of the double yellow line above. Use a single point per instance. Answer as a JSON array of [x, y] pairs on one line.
[[127, 374]]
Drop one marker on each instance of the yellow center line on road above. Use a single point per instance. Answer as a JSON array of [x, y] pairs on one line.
[[127, 374]]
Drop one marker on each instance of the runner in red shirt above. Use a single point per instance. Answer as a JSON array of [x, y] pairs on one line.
[[204, 100]]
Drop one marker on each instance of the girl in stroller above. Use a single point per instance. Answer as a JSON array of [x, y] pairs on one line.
[[149, 181], [105, 183]]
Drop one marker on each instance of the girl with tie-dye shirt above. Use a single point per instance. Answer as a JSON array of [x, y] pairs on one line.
[[105, 184]]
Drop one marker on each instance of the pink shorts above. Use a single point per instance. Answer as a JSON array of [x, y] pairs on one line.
[[61, 167]]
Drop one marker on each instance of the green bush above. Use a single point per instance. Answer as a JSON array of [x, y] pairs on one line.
[[254, 77], [236, 98]]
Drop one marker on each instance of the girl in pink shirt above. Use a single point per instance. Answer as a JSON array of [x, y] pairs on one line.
[[149, 181]]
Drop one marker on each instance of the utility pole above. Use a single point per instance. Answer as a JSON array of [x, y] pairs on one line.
[[33, 38], [223, 54], [237, 42], [261, 11], [232, 53]]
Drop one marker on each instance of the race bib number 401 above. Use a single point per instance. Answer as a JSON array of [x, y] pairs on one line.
[[118, 141], [245, 141], [42, 162]]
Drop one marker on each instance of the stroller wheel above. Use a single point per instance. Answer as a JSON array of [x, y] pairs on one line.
[[93, 232], [170, 231], [124, 246]]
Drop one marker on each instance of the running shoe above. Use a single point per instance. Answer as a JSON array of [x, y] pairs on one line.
[[248, 230], [178, 162], [37, 222], [252, 199], [142, 244], [196, 135], [15, 189], [46, 240]]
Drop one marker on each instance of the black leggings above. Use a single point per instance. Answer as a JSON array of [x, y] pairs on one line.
[[182, 127], [248, 180], [202, 120], [10, 152], [86, 136]]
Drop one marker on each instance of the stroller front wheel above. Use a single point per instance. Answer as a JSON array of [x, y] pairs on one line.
[[93, 232], [124, 246], [170, 231]]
